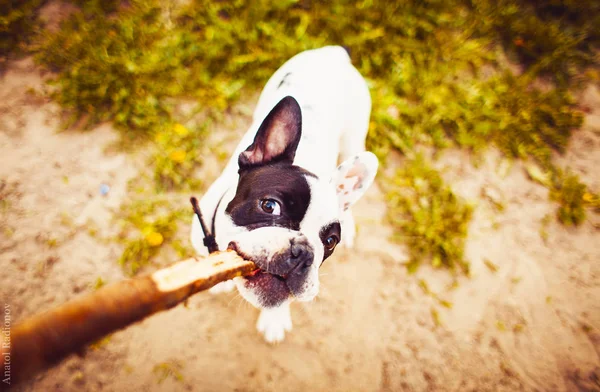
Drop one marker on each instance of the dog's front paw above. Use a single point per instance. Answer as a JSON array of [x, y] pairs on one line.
[[273, 323], [223, 287]]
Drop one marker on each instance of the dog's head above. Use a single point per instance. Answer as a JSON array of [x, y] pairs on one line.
[[284, 218]]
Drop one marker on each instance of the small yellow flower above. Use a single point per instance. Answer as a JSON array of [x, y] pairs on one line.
[[180, 129], [588, 197], [160, 137], [177, 156], [154, 239]]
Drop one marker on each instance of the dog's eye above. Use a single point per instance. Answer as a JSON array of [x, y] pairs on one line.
[[331, 242], [270, 206]]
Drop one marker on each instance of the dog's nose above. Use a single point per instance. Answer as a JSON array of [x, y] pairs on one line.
[[301, 256], [297, 250]]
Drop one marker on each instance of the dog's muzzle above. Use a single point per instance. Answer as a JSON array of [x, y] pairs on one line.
[[294, 260], [290, 265]]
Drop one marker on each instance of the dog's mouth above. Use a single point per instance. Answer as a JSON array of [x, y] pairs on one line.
[[254, 273], [258, 272], [271, 288]]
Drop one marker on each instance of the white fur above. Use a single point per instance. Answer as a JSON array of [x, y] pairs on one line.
[[274, 322], [336, 105]]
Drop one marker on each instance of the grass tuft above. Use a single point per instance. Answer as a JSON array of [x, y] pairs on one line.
[[428, 216], [165, 370], [147, 227], [18, 24], [572, 196], [177, 154]]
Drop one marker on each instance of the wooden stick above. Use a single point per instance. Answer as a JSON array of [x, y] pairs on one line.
[[45, 339]]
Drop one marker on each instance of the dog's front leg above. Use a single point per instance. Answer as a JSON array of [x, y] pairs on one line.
[[273, 322]]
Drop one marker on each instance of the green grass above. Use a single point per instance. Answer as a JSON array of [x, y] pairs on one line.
[[18, 23], [165, 370], [573, 197], [176, 155], [428, 216], [554, 38], [441, 75], [125, 68], [148, 226], [117, 67]]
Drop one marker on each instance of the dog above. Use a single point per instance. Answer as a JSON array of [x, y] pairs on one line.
[[281, 201]]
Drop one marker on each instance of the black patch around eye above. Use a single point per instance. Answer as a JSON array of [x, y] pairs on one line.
[[331, 229], [283, 182]]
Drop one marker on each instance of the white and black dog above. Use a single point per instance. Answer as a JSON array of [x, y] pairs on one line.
[[281, 202]]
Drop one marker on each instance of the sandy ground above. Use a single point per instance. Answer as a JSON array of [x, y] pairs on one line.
[[532, 325]]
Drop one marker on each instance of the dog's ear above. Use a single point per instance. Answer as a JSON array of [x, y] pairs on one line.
[[353, 177], [277, 138]]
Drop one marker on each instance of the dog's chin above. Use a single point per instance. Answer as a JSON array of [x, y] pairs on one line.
[[264, 290]]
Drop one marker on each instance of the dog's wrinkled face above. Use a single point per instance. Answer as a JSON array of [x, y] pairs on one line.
[[284, 218]]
